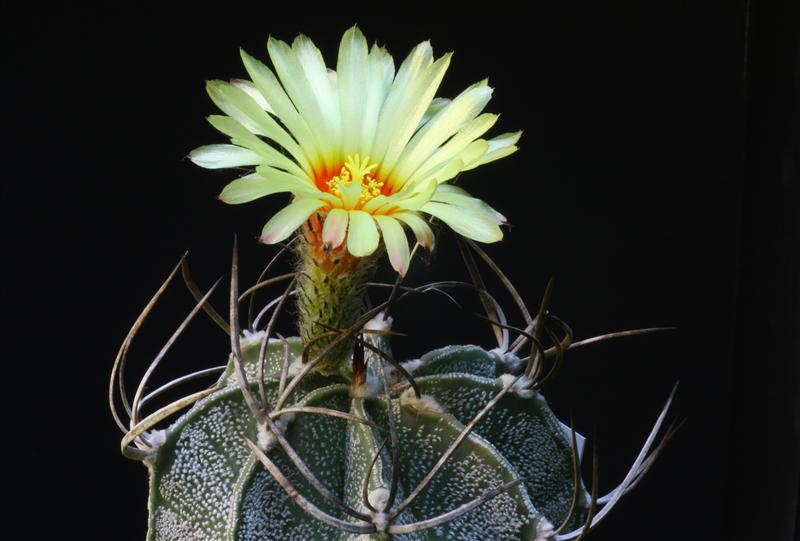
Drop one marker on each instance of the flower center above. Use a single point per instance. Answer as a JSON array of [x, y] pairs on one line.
[[356, 181]]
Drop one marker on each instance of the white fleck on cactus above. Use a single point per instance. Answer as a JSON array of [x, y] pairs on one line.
[[326, 435]]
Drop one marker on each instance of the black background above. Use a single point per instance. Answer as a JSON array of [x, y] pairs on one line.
[[657, 181]]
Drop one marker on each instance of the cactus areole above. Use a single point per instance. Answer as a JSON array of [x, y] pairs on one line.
[[326, 435]]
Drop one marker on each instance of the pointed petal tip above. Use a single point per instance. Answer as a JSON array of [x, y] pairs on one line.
[[247, 58], [227, 200], [272, 42], [192, 157]]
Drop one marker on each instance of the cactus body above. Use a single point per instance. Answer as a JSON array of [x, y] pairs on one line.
[[206, 485]]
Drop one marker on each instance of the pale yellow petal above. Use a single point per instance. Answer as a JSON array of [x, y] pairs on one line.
[[416, 196], [353, 83], [436, 105], [250, 89], [362, 236], [377, 86], [288, 219], [222, 156], [377, 202], [447, 193], [304, 188], [394, 238], [420, 227], [411, 197], [299, 90], [334, 230], [439, 129], [499, 147], [473, 223], [237, 104], [255, 185], [243, 137], [321, 84], [285, 110], [470, 154], [405, 122], [455, 145], [398, 101]]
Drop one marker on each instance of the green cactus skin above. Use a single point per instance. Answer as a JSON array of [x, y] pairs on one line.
[[206, 485]]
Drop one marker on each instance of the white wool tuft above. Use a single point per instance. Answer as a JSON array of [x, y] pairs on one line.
[[412, 365], [155, 438], [378, 323], [520, 387], [544, 530], [378, 497], [509, 359], [425, 403], [266, 439], [294, 368], [250, 338]]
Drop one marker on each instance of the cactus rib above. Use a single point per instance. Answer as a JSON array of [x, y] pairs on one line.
[[455, 513], [450, 450], [307, 474], [576, 479], [302, 502]]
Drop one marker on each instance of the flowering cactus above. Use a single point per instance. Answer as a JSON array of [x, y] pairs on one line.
[[326, 435], [367, 151]]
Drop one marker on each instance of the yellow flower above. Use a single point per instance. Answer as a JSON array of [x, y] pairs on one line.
[[367, 148]]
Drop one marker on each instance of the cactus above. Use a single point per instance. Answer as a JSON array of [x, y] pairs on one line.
[[326, 435], [458, 444]]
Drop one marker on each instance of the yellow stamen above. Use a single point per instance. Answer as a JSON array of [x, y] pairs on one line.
[[356, 169]]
